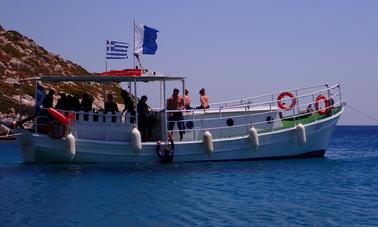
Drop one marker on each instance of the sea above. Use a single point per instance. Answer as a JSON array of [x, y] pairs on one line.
[[340, 189]]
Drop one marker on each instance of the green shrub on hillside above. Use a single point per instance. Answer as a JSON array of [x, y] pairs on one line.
[[9, 49], [14, 36]]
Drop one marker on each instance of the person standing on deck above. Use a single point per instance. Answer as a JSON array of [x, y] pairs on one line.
[[129, 105], [175, 102], [61, 104], [143, 119], [111, 106], [49, 99], [86, 105]]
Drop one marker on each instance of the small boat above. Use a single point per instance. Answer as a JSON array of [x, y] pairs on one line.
[[286, 124]]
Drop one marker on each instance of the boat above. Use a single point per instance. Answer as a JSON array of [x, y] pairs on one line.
[[292, 123]]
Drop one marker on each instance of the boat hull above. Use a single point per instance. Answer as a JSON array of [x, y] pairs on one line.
[[272, 145]]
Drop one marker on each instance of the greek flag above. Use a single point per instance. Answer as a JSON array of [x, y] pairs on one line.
[[145, 39], [116, 50]]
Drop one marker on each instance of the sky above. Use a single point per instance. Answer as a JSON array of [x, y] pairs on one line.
[[234, 49]]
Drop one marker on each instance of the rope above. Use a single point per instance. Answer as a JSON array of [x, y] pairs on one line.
[[365, 114], [10, 135]]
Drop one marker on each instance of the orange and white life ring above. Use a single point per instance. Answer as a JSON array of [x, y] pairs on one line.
[[283, 106], [327, 104]]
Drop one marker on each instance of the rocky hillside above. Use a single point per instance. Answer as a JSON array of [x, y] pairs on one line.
[[21, 57]]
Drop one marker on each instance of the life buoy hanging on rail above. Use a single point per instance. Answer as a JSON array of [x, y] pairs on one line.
[[327, 104], [283, 106], [58, 127], [58, 116]]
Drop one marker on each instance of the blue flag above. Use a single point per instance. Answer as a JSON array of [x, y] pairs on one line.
[[116, 50], [145, 39]]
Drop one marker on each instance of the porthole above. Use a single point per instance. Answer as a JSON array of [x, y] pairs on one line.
[[189, 124], [280, 114], [230, 122], [269, 119]]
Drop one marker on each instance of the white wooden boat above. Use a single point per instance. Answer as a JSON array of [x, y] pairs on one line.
[[262, 127]]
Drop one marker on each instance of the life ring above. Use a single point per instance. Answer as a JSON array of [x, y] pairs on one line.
[[326, 109], [282, 105], [58, 116]]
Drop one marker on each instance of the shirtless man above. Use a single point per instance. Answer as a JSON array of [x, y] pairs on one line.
[[175, 102]]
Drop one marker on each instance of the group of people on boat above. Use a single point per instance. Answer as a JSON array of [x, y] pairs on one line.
[[176, 104], [68, 102]]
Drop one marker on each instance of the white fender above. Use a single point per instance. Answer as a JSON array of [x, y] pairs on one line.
[[301, 134], [136, 140], [70, 146], [208, 142], [27, 145], [254, 138]]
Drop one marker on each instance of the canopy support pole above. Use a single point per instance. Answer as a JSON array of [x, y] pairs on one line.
[[136, 106], [165, 130]]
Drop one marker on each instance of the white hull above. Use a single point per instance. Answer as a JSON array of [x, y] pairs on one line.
[[274, 144]]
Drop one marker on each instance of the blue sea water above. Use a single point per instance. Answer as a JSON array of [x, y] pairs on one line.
[[339, 189]]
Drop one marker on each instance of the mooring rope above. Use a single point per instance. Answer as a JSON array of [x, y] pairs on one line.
[[359, 111]]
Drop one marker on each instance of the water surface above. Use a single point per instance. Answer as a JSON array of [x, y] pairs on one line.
[[340, 189]]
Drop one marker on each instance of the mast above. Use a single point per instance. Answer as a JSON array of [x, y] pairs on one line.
[[133, 51], [134, 43]]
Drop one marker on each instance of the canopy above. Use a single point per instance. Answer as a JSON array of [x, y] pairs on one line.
[[105, 78], [124, 72]]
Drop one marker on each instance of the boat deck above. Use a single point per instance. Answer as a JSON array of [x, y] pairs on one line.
[[306, 119]]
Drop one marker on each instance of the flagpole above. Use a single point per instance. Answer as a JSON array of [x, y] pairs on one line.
[[133, 51], [106, 69], [134, 44]]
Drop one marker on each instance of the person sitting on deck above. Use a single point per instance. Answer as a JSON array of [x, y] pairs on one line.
[[204, 99], [167, 155], [307, 112], [187, 100], [111, 106]]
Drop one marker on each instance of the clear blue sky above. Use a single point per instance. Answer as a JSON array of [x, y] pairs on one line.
[[233, 48]]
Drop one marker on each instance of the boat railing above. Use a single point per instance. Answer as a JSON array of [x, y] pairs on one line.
[[264, 115], [270, 98], [247, 126], [306, 105], [85, 119], [251, 104]]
